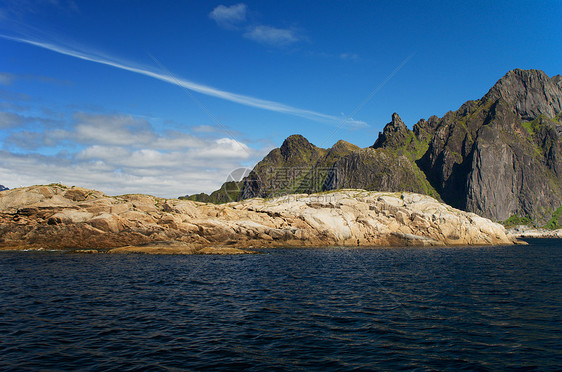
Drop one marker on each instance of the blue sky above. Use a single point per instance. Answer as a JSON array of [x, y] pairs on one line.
[[168, 97]]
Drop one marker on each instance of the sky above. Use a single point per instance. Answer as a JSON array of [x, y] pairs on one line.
[[169, 97]]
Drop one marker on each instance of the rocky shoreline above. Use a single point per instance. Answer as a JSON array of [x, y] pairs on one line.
[[523, 231], [88, 221]]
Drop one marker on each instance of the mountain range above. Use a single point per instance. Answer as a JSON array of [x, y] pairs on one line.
[[499, 156]]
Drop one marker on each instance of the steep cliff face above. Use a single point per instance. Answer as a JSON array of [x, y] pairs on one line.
[[498, 156], [377, 169], [510, 172], [531, 93]]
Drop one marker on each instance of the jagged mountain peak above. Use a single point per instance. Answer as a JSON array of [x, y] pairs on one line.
[[393, 134], [294, 151], [531, 93], [295, 144], [397, 121], [525, 74], [295, 140]]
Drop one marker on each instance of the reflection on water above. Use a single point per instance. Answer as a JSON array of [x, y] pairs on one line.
[[298, 309]]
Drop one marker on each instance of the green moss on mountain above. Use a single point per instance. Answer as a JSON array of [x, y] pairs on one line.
[[517, 220], [499, 156], [555, 221]]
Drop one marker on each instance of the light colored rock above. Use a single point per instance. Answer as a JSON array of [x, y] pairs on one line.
[[119, 208], [523, 231], [58, 217], [73, 215], [107, 222]]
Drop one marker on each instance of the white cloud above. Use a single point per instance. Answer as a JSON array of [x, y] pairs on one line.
[[121, 154], [204, 129], [272, 36], [117, 171], [234, 17], [231, 143], [225, 147], [174, 140], [229, 16], [104, 153], [18, 170], [112, 129]]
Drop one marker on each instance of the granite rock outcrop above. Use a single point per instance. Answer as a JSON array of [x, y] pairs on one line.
[[73, 218]]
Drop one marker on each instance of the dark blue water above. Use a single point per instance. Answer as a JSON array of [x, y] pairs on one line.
[[482, 308]]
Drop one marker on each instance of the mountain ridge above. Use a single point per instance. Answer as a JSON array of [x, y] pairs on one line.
[[498, 156]]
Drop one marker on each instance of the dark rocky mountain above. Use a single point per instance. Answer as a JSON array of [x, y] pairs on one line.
[[2, 188], [499, 156]]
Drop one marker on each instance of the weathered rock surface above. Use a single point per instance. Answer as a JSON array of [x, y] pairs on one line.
[[501, 155], [376, 169], [60, 217], [394, 135], [530, 92]]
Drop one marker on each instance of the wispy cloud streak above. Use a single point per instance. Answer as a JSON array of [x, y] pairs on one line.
[[199, 88]]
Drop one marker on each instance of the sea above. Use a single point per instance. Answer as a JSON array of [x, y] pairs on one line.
[[328, 309]]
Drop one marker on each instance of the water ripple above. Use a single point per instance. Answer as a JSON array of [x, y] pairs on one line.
[[483, 308]]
